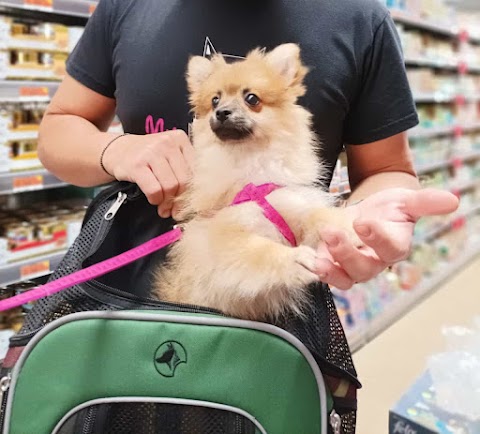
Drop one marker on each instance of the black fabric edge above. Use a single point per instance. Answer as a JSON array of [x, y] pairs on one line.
[[389, 130], [84, 78]]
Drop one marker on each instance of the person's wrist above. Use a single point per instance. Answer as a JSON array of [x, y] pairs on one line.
[[115, 146]]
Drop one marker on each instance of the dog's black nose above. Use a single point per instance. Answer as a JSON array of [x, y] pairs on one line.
[[222, 115]]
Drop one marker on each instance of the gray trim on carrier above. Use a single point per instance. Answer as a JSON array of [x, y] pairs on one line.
[[175, 401], [172, 318]]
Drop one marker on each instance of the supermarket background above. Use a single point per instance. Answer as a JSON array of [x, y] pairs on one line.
[[40, 216]]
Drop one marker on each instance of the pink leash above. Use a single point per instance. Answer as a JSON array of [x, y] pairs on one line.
[[93, 271], [249, 193]]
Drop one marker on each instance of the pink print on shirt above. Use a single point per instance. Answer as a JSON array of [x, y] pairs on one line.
[[152, 127]]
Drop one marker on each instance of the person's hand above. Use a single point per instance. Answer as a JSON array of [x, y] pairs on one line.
[[384, 222], [160, 164]]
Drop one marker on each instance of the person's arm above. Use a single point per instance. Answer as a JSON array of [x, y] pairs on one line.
[[385, 204], [374, 167], [73, 136], [73, 133]]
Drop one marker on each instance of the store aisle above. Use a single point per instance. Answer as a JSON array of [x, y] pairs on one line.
[[390, 363]]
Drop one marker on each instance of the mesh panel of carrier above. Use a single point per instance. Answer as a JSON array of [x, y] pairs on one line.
[[156, 418]]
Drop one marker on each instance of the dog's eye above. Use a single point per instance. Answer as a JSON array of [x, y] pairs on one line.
[[215, 101], [252, 99]]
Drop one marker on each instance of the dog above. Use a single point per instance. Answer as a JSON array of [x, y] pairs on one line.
[[249, 129]]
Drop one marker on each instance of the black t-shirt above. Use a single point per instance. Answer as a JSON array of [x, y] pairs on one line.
[[136, 51]]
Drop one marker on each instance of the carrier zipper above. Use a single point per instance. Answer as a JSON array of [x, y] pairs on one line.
[[153, 302], [4, 387], [89, 420], [336, 422], [112, 211]]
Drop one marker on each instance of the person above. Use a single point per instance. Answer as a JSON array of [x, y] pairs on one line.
[[131, 60]]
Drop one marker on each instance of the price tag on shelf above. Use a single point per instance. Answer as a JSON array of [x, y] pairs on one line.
[[39, 4], [34, 270], [463, 68], [460, 100], [464, 36], [458, 131], [459, 223], [33, 91], [457, 163], [28, 92], [27, 183]]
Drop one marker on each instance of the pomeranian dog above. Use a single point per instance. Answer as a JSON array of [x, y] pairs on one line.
[[249, 129]]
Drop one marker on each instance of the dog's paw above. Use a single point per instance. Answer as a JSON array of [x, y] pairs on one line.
[[302, 269], [306, 257]]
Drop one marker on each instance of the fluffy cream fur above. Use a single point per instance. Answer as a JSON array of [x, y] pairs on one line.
[[232, 258]]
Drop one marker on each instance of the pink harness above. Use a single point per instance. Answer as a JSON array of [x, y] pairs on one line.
[[258, 194], [250, 193]]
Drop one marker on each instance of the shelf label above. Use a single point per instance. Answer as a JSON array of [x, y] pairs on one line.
[[458, 131], [40, 4], [31, 91], [464, 36], [34, 270], [27, 183], [459, 223], [457, 162], [463, 68], [460, 100]]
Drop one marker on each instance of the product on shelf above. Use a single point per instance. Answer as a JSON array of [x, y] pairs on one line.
[[19, 125], [436, 11], [422, 46], [427, 82], [38, 230], [35, 50]]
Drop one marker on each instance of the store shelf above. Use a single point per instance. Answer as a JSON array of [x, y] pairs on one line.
[[74, 8], [420, 23], [14, 91], [30, 268], [29, 74], [19, 135], [31, 180], [421, 132], [433, 98], [472, 211], [437, 64], [474, 69], [407, 301], [425, 168], [462, 186]]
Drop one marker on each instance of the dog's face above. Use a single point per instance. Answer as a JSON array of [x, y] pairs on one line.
[[248, 100]]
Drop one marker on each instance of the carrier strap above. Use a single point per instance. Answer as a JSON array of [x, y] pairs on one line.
[[249, 193]]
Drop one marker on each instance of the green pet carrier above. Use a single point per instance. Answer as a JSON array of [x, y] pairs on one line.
[[104, 357]]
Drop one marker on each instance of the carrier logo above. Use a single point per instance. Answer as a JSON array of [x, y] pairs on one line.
[[168, 356]]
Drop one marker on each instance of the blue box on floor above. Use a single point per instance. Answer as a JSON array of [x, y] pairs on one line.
[[416, 413]]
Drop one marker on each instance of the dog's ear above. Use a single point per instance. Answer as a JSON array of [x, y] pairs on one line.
[[286, 60], [198, 70]]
